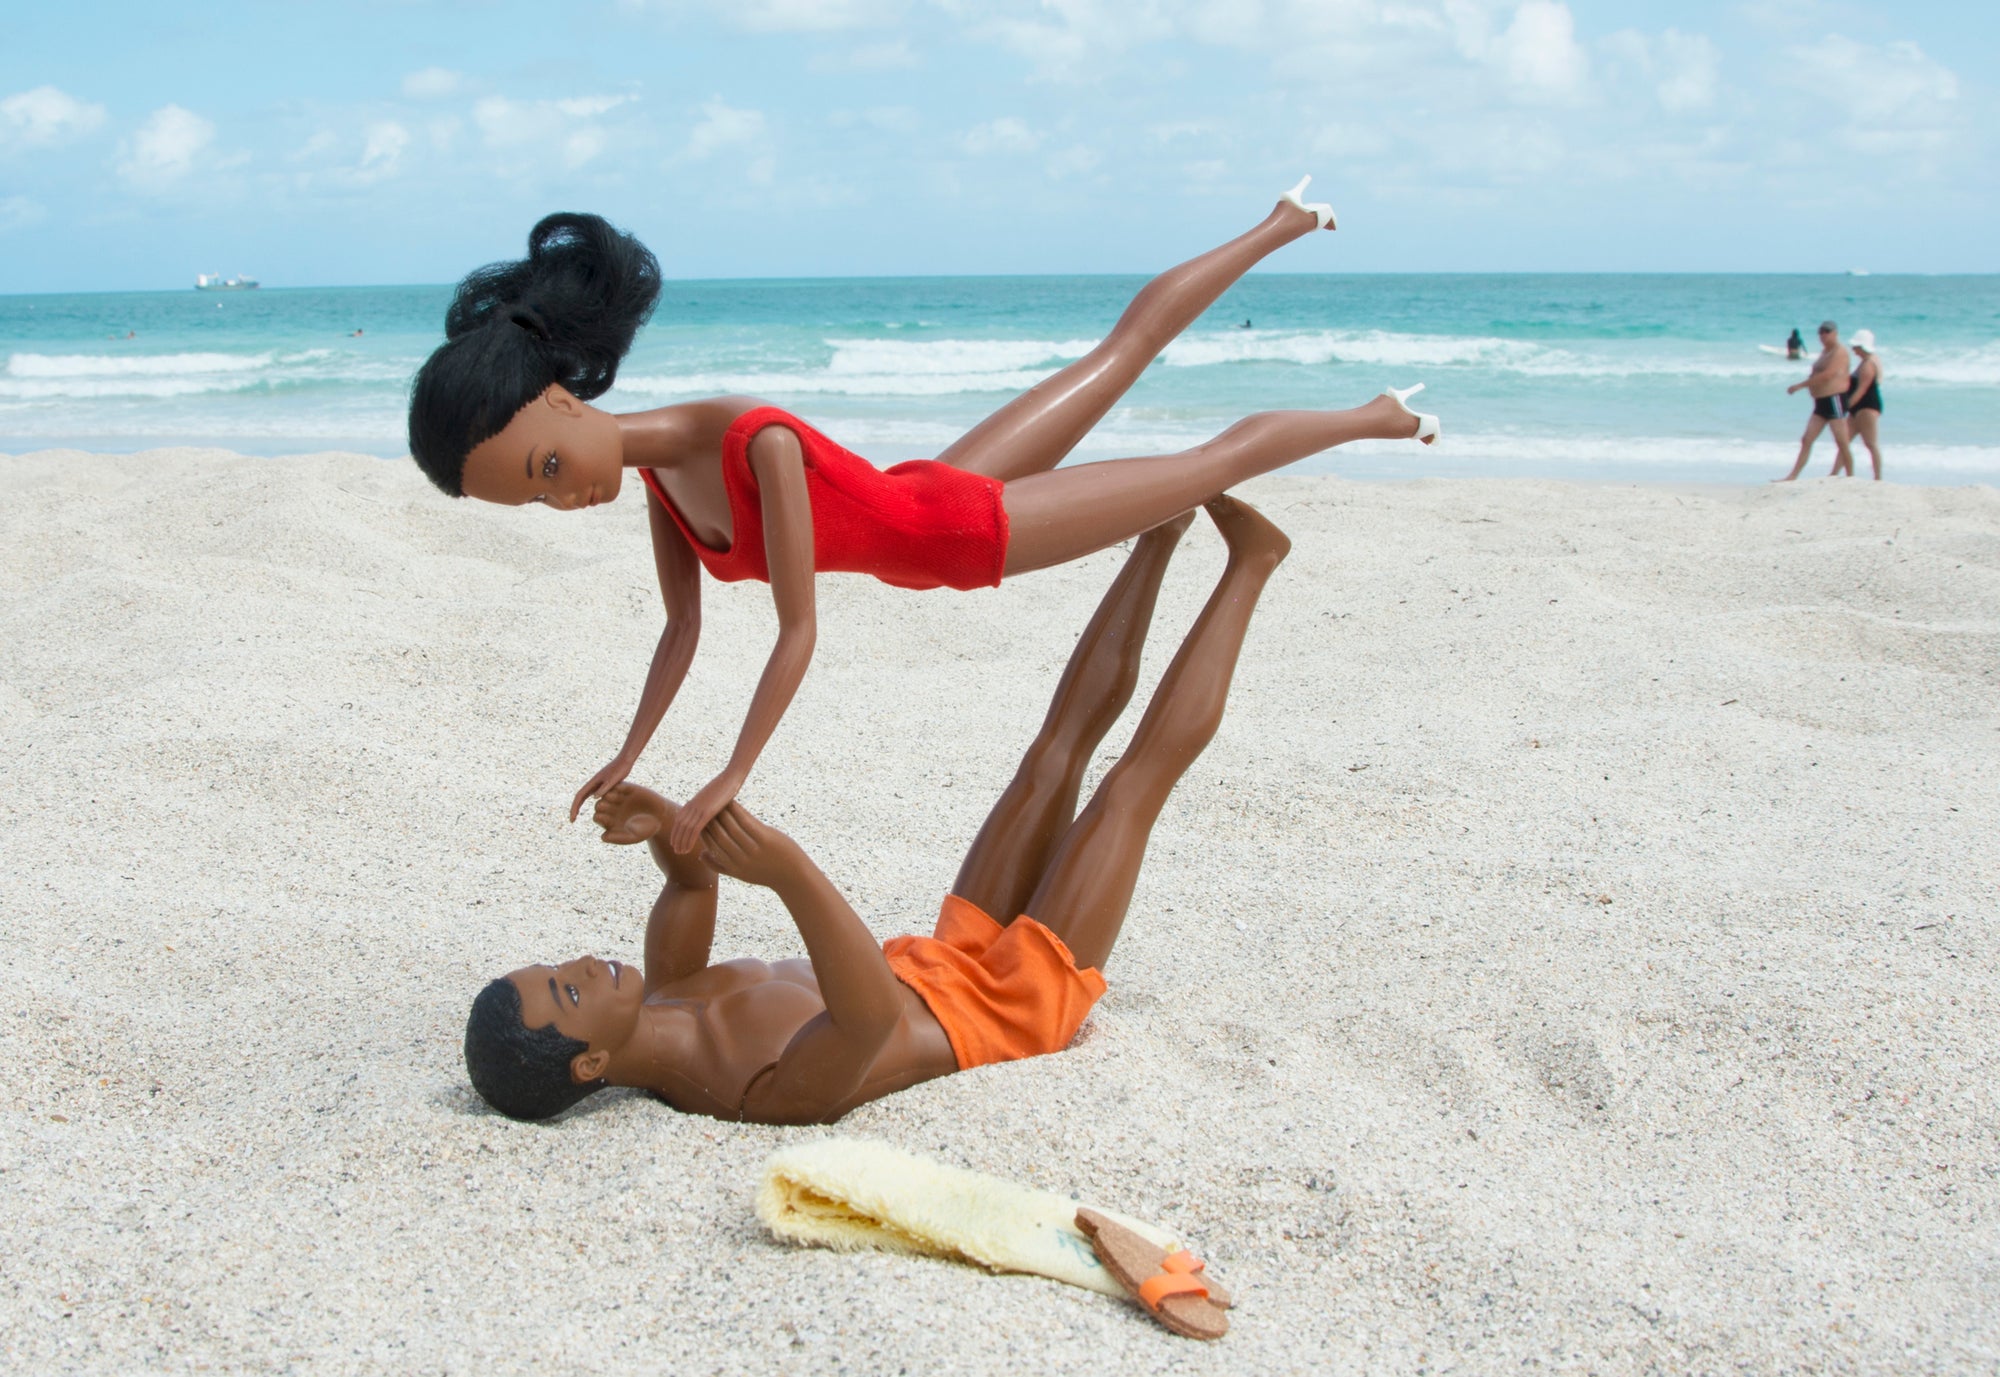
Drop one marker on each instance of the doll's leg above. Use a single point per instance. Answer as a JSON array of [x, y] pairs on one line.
[[1040, 427], [1060, 516], [1007, 858], [1089, 884]]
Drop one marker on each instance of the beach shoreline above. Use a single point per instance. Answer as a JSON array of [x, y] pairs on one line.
[[1577, 946], [1362, 462]]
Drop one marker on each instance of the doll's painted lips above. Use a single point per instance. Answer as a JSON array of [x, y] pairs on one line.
[[616, 971]]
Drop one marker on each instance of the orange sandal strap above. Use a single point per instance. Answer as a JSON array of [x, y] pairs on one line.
[[1181, 1260], [1161, 1285]]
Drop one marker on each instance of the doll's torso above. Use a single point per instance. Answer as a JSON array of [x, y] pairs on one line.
[[745, 1015], [692, 480]]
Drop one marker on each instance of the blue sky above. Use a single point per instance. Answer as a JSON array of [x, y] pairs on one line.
[[386, 141]]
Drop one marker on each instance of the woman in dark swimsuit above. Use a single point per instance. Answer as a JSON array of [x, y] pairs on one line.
[[1864, 397]]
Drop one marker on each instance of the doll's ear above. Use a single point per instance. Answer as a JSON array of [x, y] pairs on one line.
[[586, 1067], [563, 400]]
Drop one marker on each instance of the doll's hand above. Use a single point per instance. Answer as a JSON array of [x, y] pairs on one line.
[[601, 783], [741, 847], [701, 810]]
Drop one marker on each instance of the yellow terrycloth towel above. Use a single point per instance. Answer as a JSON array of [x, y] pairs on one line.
[[852, 1193]]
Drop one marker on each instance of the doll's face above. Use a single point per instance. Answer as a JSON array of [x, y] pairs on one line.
[[590, 1000], [557, 450]]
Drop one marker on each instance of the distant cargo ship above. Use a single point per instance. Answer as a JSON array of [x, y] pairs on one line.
[[216, 282]]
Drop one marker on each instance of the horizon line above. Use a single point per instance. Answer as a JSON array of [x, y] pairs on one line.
[[1844, 273]]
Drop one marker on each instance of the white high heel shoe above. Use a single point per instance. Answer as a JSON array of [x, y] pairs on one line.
[[1428, 428], [1319, 210]]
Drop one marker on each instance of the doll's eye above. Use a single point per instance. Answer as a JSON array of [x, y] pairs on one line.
[[549, 465], [574, 999]]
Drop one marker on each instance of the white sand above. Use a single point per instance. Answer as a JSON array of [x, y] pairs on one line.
[[1576, 950]]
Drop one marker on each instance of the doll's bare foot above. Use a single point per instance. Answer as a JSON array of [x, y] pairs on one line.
[[1321, 212], [631, 813], [1249, 534], [1398, 421]]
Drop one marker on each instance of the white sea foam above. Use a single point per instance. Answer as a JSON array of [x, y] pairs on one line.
[[1501, 454], [963, 358], [56, 377], [939, 367], [656, 386], [131, 365]]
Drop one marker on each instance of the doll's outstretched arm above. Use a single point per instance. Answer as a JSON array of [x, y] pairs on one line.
[[827, 1059], [681, 929], [779, 464], [680, 588]]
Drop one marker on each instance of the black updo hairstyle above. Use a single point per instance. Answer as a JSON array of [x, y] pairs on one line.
[[564, 314], [523, 1072]]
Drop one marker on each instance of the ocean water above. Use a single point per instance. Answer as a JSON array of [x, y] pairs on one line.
[[1649, 378]]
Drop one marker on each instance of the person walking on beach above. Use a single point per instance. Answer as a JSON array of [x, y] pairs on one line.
[[1827, 384], [501, 412], [1864, 400], [1013, 968]]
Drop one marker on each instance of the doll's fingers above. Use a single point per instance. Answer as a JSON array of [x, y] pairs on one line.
[[730, 823], [728, 859], [716, 829]]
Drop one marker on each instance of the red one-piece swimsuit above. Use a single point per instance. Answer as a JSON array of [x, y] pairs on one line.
[[921, 524]]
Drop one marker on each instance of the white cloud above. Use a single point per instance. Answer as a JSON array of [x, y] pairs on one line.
[[17, 211], [1895, 100], [1005, 135], [889, 119], [323, 142], [562, 127], [383, 144], [165, 148], [1538, 52], [1681, 68], [587, 107], [431, 83], [1072, 162], [724, 127], [1688, 66], [894, 56], [382, 152], [582, 145], [1067, 36], [43, 116], [791, 16], [1349, 141]]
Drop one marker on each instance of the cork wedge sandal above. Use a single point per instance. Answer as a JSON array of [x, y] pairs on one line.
[[1174, 1286]]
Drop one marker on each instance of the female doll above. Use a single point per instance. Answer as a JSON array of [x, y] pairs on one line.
[[501, 412]]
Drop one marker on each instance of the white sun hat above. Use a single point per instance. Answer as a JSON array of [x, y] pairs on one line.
[[1863, 339]]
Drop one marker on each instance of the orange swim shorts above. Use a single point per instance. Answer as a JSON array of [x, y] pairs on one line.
[[1000, 993]]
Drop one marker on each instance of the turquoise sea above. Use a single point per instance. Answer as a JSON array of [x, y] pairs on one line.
[[1654, 378]]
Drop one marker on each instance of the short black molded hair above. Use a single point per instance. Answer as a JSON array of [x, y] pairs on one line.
[[564, 314], [523, 1072]]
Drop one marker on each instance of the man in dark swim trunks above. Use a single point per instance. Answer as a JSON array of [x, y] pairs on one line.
[[1827, 383]]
